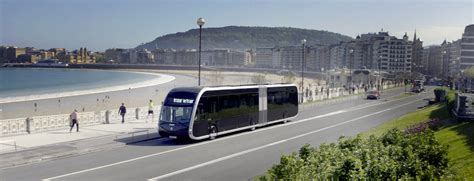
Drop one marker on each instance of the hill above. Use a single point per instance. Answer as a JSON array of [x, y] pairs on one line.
[[240, 37]]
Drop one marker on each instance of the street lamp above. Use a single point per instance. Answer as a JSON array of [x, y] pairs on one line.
[[379, 78], [303, 42], [443, 63], [351, 51], [461, 81], [200, 23]]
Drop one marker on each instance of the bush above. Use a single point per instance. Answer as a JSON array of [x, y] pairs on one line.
[[451, 98], [439, 94], [432, 124], [392, 156]]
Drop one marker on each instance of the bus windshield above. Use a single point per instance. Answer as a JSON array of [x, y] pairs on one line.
[[176, 114]]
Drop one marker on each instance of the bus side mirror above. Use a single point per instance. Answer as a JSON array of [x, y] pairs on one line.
[[161, 102]]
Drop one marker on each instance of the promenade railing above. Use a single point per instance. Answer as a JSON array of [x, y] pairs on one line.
[[38, 124]]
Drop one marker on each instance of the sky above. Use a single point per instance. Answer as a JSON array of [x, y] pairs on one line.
[[102, 24]]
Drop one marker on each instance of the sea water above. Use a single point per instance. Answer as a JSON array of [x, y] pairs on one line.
[[31, 82]]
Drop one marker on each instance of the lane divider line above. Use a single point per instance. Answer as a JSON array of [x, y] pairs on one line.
[[207, 142], [272, 144], [185, 147]]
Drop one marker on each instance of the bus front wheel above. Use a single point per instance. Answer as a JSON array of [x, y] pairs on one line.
[[212, 132]]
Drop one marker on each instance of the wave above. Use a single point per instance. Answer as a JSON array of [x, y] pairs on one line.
[[159, 79]]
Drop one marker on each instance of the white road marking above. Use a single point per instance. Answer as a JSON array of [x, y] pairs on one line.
[[185, 147], [211, 141], [271, 144], [216, 160]]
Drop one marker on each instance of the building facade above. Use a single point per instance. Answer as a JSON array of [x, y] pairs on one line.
[[117, 55], [216, 57], [368, 51], [417, 55], [451, 56], [434, 58], [467, 48], [145, 57], [81, 56], [9, 54]]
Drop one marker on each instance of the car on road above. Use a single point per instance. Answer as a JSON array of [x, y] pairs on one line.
[[417, 89], [373, 94]]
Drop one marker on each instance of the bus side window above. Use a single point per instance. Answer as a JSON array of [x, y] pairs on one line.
[[201, 104]]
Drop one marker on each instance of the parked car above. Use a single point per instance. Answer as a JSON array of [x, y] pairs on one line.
[[373, 94], [417, 89]]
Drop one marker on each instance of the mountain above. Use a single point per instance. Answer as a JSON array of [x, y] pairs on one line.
[[242, 37]]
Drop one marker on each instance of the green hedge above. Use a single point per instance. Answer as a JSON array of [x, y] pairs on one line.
[[450, 97], [394, 155], [439, 93]]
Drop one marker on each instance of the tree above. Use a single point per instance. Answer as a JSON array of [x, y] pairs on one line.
[[469, 73]]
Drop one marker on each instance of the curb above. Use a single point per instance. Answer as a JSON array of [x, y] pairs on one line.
[[60, 156], [144, 140]]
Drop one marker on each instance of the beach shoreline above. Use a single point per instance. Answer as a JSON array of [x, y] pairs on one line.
[[159, 79], [132, 98]]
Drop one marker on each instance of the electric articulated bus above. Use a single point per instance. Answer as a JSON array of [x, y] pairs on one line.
[[205, 112]]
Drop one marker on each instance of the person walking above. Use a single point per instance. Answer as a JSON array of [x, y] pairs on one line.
[[122, 111], [151, 105], [74, 120]]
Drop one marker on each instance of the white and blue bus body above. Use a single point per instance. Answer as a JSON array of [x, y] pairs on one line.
[[204, 112]]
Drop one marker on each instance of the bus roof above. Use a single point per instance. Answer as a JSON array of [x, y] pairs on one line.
[[187, 89], [197, 89]]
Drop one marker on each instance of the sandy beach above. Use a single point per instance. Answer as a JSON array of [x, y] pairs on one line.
[[110, 98]]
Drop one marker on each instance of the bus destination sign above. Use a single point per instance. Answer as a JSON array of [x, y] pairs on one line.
[[183, 101]]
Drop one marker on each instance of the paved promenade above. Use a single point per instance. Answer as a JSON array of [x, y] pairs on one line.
[[54, 144], [26, 141]]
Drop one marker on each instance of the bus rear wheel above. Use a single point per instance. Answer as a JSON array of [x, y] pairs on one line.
[[212, 132]]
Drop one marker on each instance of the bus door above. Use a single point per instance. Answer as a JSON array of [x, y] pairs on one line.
[[262, 105]]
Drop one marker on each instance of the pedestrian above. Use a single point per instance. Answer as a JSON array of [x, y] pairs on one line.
[[74, 121], [122, 111], [150, 110]]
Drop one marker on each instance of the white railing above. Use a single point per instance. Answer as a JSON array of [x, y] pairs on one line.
[[318, 93], [61, 121]]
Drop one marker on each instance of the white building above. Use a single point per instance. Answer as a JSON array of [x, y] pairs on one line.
[[265, 57], [467, 47]]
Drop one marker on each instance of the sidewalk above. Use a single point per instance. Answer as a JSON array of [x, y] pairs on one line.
[[62, 143]]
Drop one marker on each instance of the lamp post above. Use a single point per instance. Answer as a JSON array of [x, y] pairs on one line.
[[462, 81], [200, 23], [443, 64], [351, 53], [303, 42], [379, 78]]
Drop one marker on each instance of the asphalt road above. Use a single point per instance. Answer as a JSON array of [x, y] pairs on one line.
[[240, 156]]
